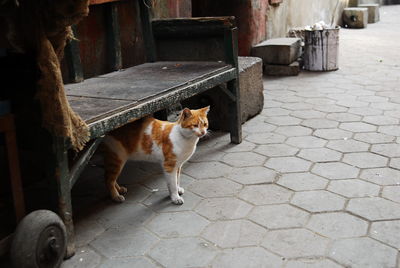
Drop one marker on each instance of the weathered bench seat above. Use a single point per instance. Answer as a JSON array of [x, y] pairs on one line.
[[111, 100]]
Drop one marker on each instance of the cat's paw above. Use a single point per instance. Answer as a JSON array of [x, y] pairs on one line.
[[177, 200], [122, 190], [118, 198], [181, 191]]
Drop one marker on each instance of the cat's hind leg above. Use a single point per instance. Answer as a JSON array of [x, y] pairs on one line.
[[181, 191], [113, 166]]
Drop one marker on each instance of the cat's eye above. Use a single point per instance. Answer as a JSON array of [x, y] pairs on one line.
[[196, 126]]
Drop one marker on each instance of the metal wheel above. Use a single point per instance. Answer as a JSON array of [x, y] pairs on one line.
[[39, 241]]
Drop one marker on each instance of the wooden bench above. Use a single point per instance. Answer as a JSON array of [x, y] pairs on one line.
[[185, 57]]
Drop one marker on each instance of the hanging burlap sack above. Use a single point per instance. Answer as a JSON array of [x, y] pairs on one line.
[[42, 27]]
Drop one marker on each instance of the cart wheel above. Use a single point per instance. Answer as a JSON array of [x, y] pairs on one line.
[[40, 241]]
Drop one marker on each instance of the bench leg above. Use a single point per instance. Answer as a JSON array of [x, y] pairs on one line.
[[235, 112], [63, 193]]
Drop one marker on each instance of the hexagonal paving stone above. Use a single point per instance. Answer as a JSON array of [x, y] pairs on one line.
[[395, 163], [271, 103], [126, 242], [207, 170], [309, 263], [392, 193], [237, 233], [308, 114], [119, 215], [215, 187], [333, 134], [373, 99], [177, 224], [272, 150], [318, 201], [275, 111], [365, 111], [348, 146], [141, 262], [320, 155], [247, 257], [381, 176], [390, 130], [354, 188], [330, 108], [344, 117], [303, 181], [183, 252], [265, 138], [337, 225], [297, 106], [293, 131], [306, 142], [374, 208], [389, 149], [365, 160], [86, 231], [160, 201], [335, 171], [265, 194], [362, 253], [386, 231], [226, 208], [352, 103], [246, 159], [381, 120], [252, 175], [279, 216], [84, 257], [357, 127], [245, 146], [320, 123], [283, 120], [207, 154], [295, 243], [258, 127], [374, 137], [288, 164]]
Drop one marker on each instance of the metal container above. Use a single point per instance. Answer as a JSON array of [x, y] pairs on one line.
[[321, 50]]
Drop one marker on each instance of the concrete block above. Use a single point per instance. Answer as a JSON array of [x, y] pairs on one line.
[[282, 70], [373, 12], [251, 95], [355, 17], [282, 51]]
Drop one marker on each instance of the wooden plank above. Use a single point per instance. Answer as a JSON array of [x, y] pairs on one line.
[[113, 37], [147, 30], [184, 27], [73, 57], [144, 81], [158, 102]]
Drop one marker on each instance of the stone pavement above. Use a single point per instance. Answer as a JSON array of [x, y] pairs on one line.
[[315, 183]]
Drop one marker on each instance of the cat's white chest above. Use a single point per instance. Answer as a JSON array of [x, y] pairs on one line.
[[183, 147]]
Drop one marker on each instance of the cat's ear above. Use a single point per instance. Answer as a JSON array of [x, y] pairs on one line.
[[206, 109], [186, 113]]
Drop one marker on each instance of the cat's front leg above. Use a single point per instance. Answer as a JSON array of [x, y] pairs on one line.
[[172, 184], [181, 191]]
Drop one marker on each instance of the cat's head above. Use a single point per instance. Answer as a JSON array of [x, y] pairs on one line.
[[194, 122]]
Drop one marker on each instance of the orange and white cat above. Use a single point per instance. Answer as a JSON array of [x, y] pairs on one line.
[[149, 139]]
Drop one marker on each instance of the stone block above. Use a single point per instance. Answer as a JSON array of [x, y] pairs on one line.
[[251, 95], [373, 12], [355, 17], [281, 51], [292, 69]]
